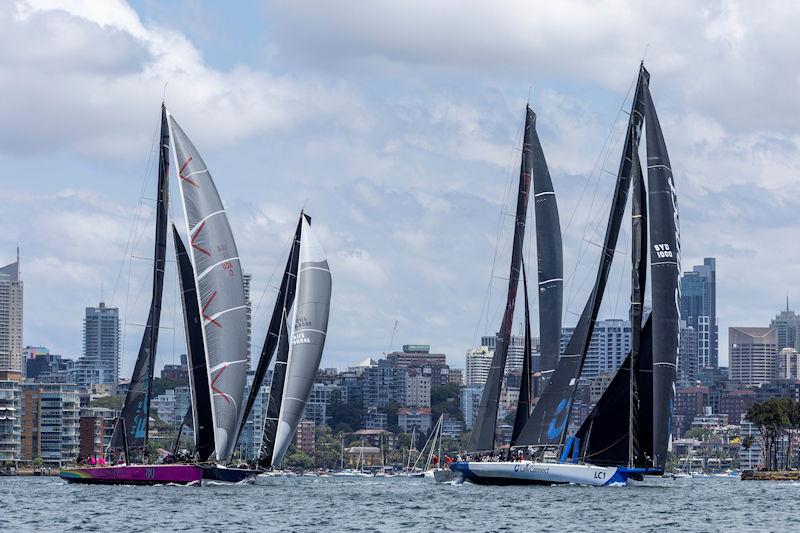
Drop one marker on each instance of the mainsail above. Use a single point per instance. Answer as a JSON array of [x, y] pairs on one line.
[[220, 290], [665, 269], [548, 423], [136, 409], [201, 419], [310, 326], [525, 394], [483, 433], [283, 303]]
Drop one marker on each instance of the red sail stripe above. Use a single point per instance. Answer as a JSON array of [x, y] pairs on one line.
[[186, 178], [203, 312], [214, 381], [197, 246]]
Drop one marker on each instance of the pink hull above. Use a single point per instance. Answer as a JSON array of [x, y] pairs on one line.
[[134, 475]]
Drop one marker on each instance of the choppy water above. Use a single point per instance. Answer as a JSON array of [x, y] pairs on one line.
[[399, 504]]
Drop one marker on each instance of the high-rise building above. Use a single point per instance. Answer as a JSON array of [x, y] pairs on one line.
[[250, 439], [687, 354], [10, 421], [470, 401], [787, 324], [246, 279], [699, 309], [101, 347], [96, 429], [516, 350], [788, 364], [384, 384], [608, 347], [418, 390], [479, 361], [11, 318], [50, 423], [753, 355], [419, 357]]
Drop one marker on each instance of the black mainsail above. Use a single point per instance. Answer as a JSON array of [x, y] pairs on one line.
[[548, 423], [483, 433], [283, 303], [202, 423], [525, 393], [665, 269], [549, 254], [136, 409]]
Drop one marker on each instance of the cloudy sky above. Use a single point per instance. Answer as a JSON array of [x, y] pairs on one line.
[[397, 125]]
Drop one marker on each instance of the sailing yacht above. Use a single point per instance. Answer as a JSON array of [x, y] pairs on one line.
[[627, 434]]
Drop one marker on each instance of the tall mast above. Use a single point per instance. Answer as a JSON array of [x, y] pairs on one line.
[[525, 396]]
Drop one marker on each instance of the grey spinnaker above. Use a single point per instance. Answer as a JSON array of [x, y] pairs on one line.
[[548, 423], [310, 325], [483, 433], [549, 254], [220, 290], [665, 270], [136, 409]]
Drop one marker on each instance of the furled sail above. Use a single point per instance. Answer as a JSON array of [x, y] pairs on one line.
[[201, 419], [136, 409], [549, 254], [483, 433], [309, 329], [525, 394], [220, 290], [665, 269], [283, 303], [548, 423]]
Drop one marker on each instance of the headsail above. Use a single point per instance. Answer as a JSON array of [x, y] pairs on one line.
[[310, 326], [136, 409], [220, 290], [482, 437], [201, 419], [283, 302], [665, 269], [548, 423], [525, 393]]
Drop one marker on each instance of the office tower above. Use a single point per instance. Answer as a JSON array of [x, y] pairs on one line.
[[787, 324], [479, 361], [470, 401], [753, 355], [699, 309], [11, 318], [101, 347], [418, 357], [516, 350], [687, 354], [608, 347]]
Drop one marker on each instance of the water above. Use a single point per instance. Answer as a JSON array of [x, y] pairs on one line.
[[399, 504]]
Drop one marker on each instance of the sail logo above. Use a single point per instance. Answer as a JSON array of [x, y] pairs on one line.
[[300, 338], [662, 251], [302, 322], [559, 421]]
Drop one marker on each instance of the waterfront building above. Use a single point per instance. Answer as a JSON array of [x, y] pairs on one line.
[[750, 457], [10, 421], [50, 423], [100, 362], [478, 363], [787, 325], [419, 357], [698, 306], [11, 299], [409, 418], [753, 354], [96, 429], [418, 390], [688, 355], [470, 401], [305, 438], [608, 347]]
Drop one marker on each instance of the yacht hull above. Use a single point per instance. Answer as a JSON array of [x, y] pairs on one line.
[[229, 475], [134, 475], [531, 473]]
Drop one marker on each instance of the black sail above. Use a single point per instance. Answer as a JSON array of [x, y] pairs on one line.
[[136, 409], [525, 395], [283, 302], [548, 423], [549, 254], [483, 433], [201, 419], [604, 435], [665, 269]]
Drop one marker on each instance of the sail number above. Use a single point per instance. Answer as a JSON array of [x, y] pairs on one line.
[[662, 250]]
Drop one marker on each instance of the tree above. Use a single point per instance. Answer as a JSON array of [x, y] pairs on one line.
[[300, 460], [703, 434], [344, 416], [108, 402], [772, 418], [446, 399]]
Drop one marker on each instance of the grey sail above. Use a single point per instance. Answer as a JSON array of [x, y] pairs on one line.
[[548, 423], [664, 269], [309, 329], [220, 290], [549, 254], [483, 433], [136, 409]]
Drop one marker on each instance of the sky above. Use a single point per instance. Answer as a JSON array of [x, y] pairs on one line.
[[396, 125]]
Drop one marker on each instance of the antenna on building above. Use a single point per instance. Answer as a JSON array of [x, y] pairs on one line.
[[787, 300], [19, 270], [101, 290]]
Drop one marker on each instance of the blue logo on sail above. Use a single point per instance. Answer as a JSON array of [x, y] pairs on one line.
[[559, 421]]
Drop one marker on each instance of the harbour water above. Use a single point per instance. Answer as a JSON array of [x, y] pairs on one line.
[[399, 504]]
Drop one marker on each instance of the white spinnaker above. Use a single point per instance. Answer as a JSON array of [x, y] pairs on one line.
[[220, 290], [309, 329]]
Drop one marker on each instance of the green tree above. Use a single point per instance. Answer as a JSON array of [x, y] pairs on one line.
[[108, 402], [446, 399], [772, 418], [703, 434], [300, 460], [344, 416]]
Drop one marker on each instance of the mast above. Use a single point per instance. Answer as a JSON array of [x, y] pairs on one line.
[[525, 397], [136, 409], [220, 290], [483, 433], [665, 270], [202, 423], [283, 302], [550, 418]]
